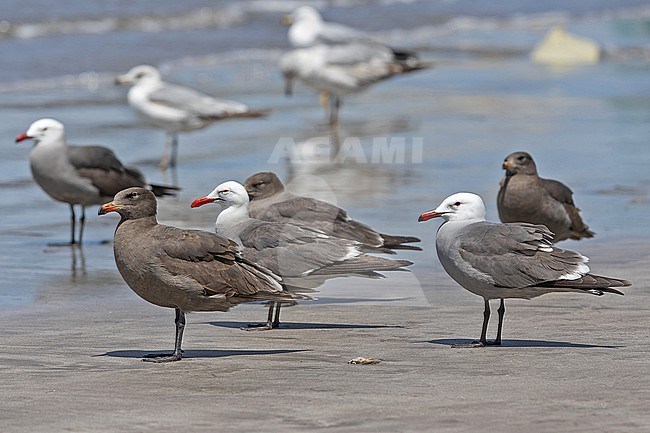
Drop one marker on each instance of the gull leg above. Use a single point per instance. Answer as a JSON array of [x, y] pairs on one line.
[[276, 320], [73, 222], [174, 150], [483, 341], [178, 353], [324, 98], [502, 313], [169, 140], [335, 104], [269, 321], [83, 223]]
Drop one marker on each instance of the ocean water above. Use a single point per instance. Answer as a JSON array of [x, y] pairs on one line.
[[586, 126]]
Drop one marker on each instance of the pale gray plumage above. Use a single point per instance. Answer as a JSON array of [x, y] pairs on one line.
[[526, 197], [304, 257], [175, 108], [188, 270], [78, 175], [516, 260], [271, 202]]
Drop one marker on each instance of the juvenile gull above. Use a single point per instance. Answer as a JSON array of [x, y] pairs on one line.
[[187, 270], [526, 197], [516, 260], [271, 202], [175, 108], [78, 175], [302, 256]]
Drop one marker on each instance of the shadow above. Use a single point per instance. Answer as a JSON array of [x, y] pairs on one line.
[[521, 343], [199, 353], [298, 325], [78, 265]]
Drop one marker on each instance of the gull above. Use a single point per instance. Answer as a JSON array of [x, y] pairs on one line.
[[175, 108], [302, 256], [187, 270], [78, 175], [499, 261], [526, 197], [337, 60], [269, 201]]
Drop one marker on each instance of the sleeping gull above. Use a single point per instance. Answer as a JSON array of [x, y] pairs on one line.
[[78, 175], [302, 256], [516, 260], [187, 270], [526, 197], [271, 202], [176, 108]]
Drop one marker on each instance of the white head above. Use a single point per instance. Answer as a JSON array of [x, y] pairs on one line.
[[139, 74], [227, 194], [462, 206], [44, 130], [304, 14]]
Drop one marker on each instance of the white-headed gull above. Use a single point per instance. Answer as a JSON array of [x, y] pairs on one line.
[[303, 257], [516, 260], [78, 175], [175, 108]]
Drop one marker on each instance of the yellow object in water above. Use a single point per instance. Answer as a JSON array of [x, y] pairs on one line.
[[560, 48]]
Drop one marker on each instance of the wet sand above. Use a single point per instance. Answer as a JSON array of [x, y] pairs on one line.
[[568, 362]]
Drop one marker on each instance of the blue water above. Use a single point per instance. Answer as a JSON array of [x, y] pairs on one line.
[[587, 126]]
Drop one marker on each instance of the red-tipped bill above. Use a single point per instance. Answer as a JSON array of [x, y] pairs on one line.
[[202, 200], [22, 137], [426, 216], [106, 208]]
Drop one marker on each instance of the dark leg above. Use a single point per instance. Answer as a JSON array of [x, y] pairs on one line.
[[178, 353], [269, 321], [73, 222], [486, 320], [502, 313], [276, 320], [83, 223], [483, 341], [335, 104], [172, 162]]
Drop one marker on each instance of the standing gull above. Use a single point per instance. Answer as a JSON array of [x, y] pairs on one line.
[[516, 260], [176, 108], [271, 202], [526, 197], [302, 256], [78, 175], [187, 270], [337, 60]]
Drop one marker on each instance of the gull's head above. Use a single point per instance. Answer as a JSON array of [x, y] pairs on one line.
[[462, 206], [48, 130], [131, 203], [303, 14], [519, 163], [139, 74], [227, 194], [262, 185]]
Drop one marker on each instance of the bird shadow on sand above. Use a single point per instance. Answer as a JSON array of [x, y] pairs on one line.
[[199, 353], [301, 325], [520, 343]]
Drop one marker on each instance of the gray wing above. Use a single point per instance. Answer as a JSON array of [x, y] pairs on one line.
[[195, 102], [334, 33], [306, 209], [564, 195], [517, 255], [106, 172]]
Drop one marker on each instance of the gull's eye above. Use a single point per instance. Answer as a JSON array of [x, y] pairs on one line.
[[132, 195], [45, 129], [521, 158], [457, 204], [260, 183], [224, 191]]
